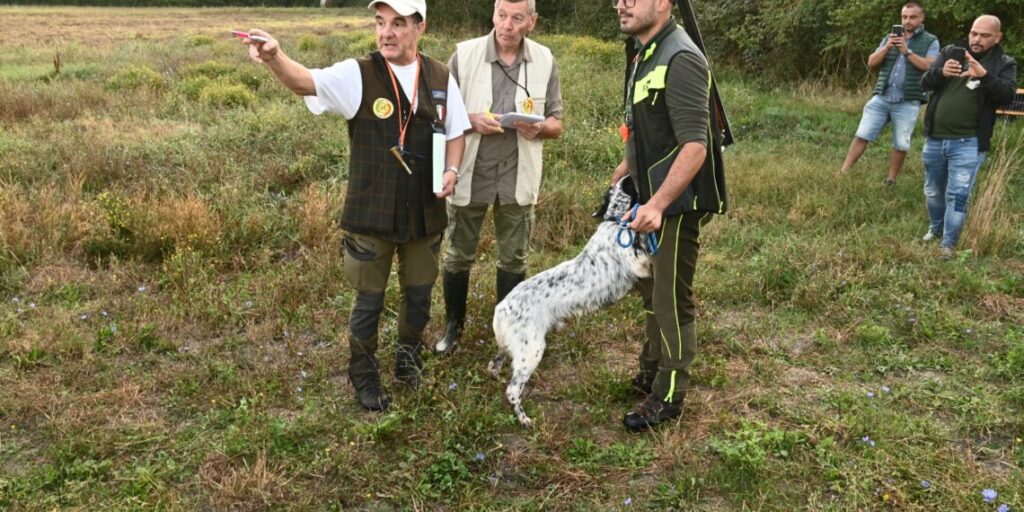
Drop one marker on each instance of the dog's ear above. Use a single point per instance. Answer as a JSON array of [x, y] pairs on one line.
[[605, 201], [629, 189]]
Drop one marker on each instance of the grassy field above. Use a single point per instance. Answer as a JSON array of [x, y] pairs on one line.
[[173, 315]]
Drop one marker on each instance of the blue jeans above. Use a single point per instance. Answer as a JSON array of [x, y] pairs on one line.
[[878, 112], [950, 166]]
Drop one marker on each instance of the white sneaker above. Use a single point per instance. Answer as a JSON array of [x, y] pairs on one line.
[[929, 236]]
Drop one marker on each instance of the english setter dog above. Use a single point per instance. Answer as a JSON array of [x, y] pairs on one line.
[[607, 269]]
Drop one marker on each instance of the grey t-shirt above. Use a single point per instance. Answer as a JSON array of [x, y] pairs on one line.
[[496, 168]]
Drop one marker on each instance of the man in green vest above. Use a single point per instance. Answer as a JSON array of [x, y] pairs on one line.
[[674, 131], [903, 56], [502, 73], [400, 105], [959, 123]]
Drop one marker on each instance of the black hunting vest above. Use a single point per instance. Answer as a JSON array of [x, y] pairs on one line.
[[650, 128], [383, 199]]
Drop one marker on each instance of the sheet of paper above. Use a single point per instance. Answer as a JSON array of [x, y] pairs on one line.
[[508, 120]]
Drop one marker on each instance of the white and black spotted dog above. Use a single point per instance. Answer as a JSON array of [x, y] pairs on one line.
[[599, 276]]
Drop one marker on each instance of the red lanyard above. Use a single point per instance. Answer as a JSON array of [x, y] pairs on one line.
[[404, 125]]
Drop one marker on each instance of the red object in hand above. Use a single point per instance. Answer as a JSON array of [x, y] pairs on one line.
[[253, 37]]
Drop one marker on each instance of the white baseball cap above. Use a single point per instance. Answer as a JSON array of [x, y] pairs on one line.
[[404, 7]]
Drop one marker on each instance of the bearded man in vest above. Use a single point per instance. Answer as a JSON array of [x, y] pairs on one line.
[[674, 136], [898, 94], [959, 123], [395, 100], [500, 73]]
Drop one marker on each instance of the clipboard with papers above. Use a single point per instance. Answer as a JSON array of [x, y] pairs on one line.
[[508, 120]]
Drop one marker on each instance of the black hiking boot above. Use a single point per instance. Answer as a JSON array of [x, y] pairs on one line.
[[456, 289], [650, 413]]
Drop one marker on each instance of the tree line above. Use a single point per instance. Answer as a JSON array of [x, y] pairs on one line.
[[777, 40]]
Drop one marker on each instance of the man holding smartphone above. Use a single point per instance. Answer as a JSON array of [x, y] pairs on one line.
[[395, 101], [902, 56], [959, 123]]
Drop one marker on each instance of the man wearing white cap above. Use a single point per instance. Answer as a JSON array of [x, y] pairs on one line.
[[400, 106]]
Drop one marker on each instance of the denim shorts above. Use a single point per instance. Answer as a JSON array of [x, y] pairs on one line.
[[878, 112]]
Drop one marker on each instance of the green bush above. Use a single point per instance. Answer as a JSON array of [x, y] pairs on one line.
[[219, 94], [194, 86], [872, 335], [135, 78], [308, 42]]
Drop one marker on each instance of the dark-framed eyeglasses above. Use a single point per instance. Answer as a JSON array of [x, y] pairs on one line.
[[628, 4]]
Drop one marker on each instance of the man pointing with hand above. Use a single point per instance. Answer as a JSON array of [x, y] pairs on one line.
[[397, 101]]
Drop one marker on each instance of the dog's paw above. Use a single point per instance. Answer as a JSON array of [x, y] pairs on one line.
[[525, 421]]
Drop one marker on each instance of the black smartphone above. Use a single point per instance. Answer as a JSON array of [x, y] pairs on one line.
[[960, 55], [897, 30]]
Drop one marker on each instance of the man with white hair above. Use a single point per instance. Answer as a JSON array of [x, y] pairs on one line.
[[501, 73], [400, 105], [959, 123]]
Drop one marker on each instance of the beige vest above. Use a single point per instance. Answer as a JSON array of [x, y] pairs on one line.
[[475, 84]]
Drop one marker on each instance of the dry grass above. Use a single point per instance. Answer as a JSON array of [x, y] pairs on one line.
[[991, 228], [47, 221], [102, 27], [242, 484]]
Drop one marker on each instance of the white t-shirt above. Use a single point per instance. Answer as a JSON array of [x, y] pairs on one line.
[[339, 89]]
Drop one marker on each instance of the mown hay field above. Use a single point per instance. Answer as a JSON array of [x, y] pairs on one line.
[[173, 315]]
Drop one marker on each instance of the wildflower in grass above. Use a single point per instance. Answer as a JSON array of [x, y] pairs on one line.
[[479, 457], [989, 495], [303, 374], [298, 389], [300, 354], [481, 342], [16, 300], [868, 441], [870, 394], [453, 386], [925, 484], [83, 317], [32, 305], [19, 311], [104, 313], [912, 320], [628, 501], [248, 304], [968, 330], [885, 389], [1003, 508], [142, 289]]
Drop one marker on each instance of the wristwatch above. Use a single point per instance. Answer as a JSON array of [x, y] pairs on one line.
[[909, 52], [452, 168]]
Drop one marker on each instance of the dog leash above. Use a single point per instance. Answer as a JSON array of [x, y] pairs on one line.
[[652, 239]]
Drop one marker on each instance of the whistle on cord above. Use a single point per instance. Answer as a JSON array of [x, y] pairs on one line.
[[397, 153]]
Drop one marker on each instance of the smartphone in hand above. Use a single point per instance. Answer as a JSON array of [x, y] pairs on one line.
[[960, 55], [897, 30]]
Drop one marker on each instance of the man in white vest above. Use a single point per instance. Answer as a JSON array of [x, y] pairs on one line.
[[501, 73]]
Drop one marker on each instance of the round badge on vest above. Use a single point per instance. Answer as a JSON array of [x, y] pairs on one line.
[[528, 105], [383, 108]]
